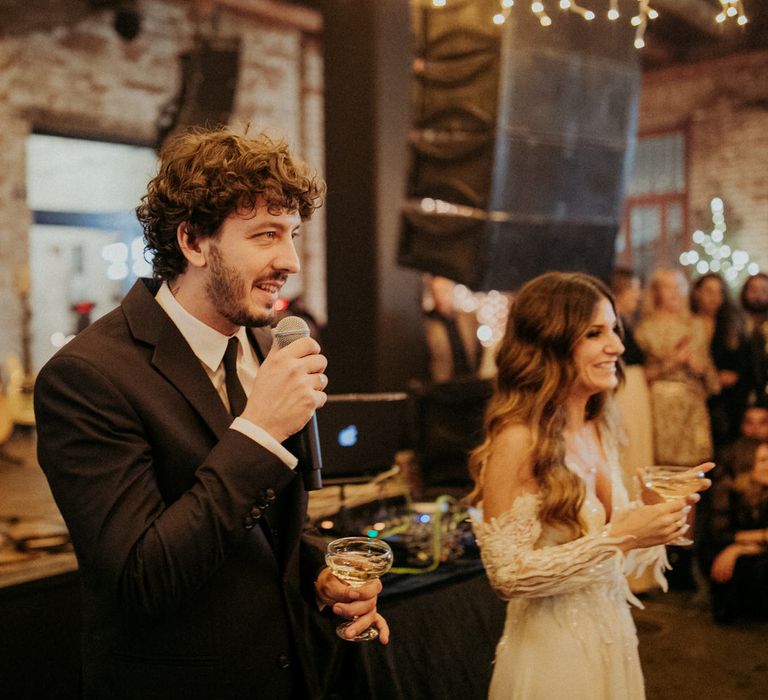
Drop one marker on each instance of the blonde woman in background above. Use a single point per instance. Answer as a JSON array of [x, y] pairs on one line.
[[680, 371], [556, 529]]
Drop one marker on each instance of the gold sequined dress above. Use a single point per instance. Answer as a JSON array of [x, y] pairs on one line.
[[681, 428]]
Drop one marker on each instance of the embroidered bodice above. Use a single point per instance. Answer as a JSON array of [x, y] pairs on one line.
[[524, 558]]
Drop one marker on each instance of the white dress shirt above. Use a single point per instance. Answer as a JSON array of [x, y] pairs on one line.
[[209, 346]]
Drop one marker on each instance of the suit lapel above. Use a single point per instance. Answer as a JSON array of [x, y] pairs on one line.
[[173, 357], [179, 365]]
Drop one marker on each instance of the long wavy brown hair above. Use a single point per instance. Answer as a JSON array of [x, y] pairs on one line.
[[205, 176], [536, 373]]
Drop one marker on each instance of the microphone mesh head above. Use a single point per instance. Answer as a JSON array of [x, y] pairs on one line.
[[289, 329]]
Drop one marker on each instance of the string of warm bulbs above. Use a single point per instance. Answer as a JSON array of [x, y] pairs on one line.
[[730, 9]]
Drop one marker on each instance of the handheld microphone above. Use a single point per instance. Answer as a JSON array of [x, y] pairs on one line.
[[287, 330]]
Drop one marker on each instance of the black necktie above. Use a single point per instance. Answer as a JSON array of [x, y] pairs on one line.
[[235, 392]]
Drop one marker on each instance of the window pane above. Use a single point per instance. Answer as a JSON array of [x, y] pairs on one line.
[[659, 166], [67, 268], [645, 225], [85, 243], [66, 174], [645, 231], [675, 223]]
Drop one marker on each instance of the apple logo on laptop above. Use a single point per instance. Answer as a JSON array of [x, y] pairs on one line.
[[348, 436]]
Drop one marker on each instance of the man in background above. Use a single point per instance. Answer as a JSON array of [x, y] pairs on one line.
[[754, 301], [454, 350]]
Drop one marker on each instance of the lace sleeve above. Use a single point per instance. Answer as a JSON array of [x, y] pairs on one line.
[[517, 570], [638, 560]]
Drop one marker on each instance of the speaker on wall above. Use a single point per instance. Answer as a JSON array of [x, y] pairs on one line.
[[457, 76], [209, 74], [529, 177]]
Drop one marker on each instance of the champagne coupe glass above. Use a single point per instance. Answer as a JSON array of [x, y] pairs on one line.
[[672, 482], [356, 560]]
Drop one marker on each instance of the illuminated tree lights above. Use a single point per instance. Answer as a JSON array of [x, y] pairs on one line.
[[713, 254]]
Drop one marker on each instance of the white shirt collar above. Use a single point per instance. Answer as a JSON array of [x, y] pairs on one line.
[[206, 342]]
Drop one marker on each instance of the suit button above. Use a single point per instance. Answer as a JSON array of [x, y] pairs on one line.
[[247, 522], [283, 661], [256, 512], [267, 495]]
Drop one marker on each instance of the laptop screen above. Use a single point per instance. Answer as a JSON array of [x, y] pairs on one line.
[[360, 433]]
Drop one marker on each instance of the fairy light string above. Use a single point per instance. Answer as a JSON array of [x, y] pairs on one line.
[[730, 10]]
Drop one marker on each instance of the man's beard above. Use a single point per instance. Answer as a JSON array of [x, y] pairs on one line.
[[227, 289]]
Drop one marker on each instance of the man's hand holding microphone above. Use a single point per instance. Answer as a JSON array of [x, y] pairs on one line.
[[289, 386]]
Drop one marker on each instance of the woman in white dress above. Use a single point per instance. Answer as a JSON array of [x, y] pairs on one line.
[[556, 529]]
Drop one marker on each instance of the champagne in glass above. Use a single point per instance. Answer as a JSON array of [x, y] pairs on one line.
[[356, 560], [672, 482]]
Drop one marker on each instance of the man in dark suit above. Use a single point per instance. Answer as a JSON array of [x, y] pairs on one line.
[[174, 471], [754, 301]]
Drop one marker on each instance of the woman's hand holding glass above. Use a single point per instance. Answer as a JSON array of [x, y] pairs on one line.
[[662, 483], [695, 477], [662, 520], [651, 525]]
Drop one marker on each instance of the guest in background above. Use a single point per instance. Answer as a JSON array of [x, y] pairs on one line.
[[680, 371], [754, 423], [736, 457], [633, 398], [454, 349], [738, 540], [754, 301], [627, 291], [711, 301]]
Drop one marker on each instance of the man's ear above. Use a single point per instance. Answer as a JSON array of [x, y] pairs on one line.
[[190, 245]]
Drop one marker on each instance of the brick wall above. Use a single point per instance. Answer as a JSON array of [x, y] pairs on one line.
[[723, 105], [76, 76]]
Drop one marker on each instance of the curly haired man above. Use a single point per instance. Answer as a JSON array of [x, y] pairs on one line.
[[175, 471]]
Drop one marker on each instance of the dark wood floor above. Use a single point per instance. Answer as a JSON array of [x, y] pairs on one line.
[[686, 656]]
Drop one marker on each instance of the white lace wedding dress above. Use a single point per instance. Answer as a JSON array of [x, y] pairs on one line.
[[569, 633]]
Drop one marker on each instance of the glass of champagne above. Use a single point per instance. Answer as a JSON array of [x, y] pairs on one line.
[[356, 560], [672, 482]]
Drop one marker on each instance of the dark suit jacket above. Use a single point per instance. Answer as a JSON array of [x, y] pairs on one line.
[[186, 593]]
